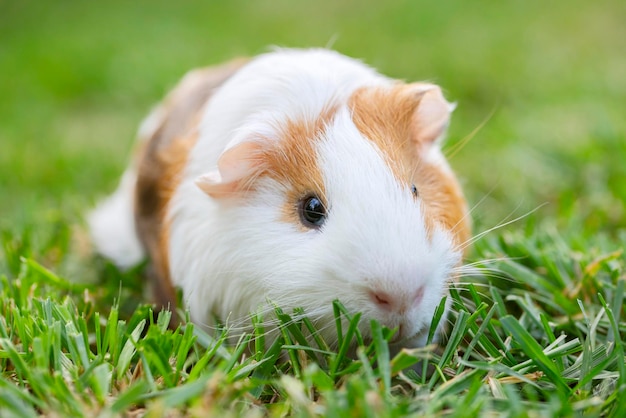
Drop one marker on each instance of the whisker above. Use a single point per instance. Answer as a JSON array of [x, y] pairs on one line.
[[332, 40], [475, 206], [475, 238], [479, 263], [453, 150]]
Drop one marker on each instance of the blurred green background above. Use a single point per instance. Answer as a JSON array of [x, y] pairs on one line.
[[540, 87]]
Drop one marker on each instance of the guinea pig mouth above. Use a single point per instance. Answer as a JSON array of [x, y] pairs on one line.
[[404, 334], [397, 339], [398, 336], [402, 329]]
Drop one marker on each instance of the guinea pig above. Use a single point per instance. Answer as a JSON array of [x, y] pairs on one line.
[[294, 178]]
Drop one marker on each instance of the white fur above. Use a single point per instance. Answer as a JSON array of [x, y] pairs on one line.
[[112, 225], [231, 256]]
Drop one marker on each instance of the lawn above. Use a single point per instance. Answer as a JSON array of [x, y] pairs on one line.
[[538, 138]]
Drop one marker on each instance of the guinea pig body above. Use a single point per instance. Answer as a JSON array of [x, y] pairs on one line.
[[296, 178]]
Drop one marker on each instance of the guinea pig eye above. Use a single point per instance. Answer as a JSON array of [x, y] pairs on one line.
[[414, 191], [312, 212]]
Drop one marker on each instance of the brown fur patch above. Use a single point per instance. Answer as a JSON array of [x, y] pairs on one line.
[[293, 162], [385, 116], [160, 161], [159, 175]]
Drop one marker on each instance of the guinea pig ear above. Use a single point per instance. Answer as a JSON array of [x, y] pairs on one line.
[[431, 116], [236, 165]]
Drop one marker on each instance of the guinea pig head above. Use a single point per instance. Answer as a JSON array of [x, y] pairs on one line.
[[355, 203]]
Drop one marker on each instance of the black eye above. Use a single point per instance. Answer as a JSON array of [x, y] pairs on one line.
[[312, 212], [414, 191]]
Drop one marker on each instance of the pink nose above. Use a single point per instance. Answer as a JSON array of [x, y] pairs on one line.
[[396, 302]]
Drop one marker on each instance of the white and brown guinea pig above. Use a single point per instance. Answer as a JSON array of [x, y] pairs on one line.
[[294, 178]]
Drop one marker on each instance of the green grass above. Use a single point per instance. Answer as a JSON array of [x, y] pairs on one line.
[[538, 331]]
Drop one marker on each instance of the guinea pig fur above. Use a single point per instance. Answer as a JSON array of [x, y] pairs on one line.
[[294, 178]]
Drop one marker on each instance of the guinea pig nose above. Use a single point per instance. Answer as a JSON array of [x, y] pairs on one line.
[[382, 300], [397, 303]]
